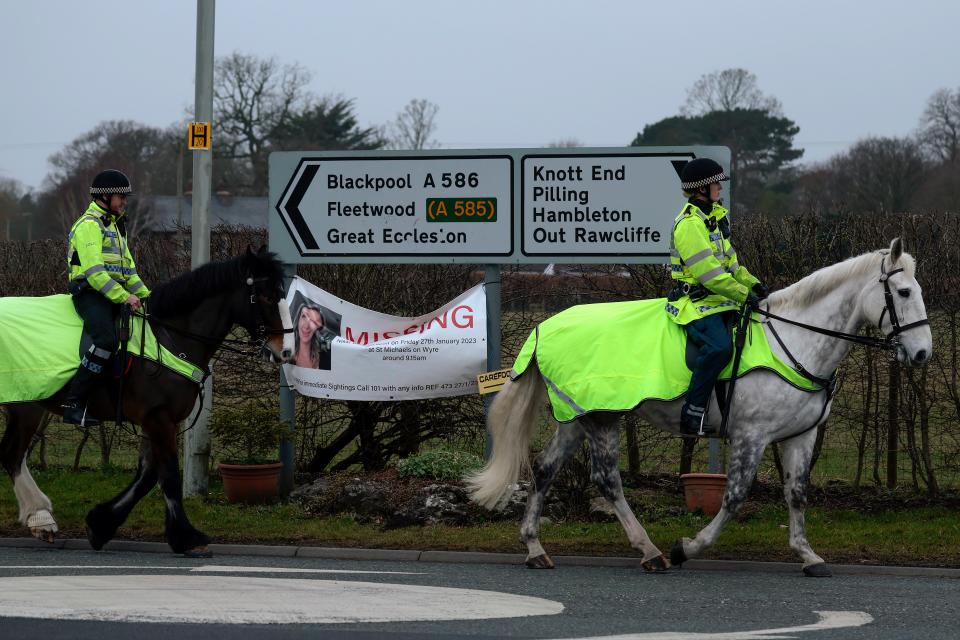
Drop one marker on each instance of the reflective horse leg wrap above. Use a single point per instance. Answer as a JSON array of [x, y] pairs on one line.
[[29, 496], [41, 518]]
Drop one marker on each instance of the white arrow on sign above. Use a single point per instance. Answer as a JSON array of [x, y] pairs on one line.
[[828, 620]]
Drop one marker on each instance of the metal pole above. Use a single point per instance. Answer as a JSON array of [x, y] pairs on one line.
[[713, 461], [196, 446], [288, 415], [491, 286]]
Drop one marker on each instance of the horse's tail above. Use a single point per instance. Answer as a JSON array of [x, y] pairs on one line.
[[511, 424]]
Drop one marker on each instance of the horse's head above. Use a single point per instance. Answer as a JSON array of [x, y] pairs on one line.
[[266, 316], [896, 306]]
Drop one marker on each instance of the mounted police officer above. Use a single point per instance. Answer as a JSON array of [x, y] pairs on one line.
[[103, 276], [710, 282]]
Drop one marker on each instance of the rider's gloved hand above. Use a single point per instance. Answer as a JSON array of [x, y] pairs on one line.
[[753, 301], [761, 290]]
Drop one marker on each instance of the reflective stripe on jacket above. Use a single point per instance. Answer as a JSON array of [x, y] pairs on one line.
[[99, 254], [701, 254]]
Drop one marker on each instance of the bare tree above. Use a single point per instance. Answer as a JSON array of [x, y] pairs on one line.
[[10, 193], [413, 127], [940, 125], [728, 90], [875, 174], [564, 143], [252, 97], [125, 145], [885, 171]]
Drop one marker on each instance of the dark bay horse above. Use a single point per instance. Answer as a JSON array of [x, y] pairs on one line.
[[192, 315]]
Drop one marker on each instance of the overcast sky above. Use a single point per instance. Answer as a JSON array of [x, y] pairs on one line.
[[504, 73]]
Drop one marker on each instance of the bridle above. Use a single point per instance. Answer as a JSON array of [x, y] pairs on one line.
[[896, 327], [890, 341], [261, 332]]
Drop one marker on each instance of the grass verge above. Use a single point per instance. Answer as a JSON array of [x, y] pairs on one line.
[[919, 536]]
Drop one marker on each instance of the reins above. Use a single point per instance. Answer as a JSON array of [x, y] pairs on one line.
[[258, 342], [890, 342]]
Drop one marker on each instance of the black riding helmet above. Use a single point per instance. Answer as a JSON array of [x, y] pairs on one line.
[[110, 181], [700, 172]]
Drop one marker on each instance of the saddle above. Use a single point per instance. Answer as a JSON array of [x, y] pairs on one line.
[[692, 351]]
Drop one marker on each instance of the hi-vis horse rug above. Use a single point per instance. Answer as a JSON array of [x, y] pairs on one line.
[[40, 347], [615, 356]]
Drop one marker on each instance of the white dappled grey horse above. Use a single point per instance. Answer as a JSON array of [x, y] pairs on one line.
[[878, 288]]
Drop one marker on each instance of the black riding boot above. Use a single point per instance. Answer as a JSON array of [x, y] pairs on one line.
[[83, 383], [692, 421]]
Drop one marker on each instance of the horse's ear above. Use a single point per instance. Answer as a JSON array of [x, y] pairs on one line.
[[250, 253], [262, 250], [896, 250]]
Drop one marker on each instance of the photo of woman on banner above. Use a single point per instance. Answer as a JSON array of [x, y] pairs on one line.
[[316, 327]]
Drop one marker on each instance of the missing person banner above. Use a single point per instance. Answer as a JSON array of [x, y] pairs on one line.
[[346, 352]]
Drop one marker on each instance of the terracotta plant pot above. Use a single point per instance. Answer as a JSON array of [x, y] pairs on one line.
[[704, 491], [251, 483]]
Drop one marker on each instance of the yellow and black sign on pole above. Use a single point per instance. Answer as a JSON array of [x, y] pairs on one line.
[[493, 380], [198, 135]]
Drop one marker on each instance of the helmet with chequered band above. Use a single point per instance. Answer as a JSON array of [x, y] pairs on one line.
[[110, 181], [701, 172]]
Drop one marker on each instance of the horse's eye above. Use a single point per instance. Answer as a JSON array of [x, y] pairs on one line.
[[904, 293]]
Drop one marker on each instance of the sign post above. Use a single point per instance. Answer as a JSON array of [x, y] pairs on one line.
[[196, 442], [491, 283]]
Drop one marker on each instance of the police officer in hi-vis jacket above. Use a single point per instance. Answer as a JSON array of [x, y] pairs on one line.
[[103, 276], [710, 281]]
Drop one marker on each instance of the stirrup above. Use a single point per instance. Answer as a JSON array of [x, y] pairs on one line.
[[73, 414], [705, 429], [689, 426]]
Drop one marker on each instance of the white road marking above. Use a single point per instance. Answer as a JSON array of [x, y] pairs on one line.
[[251, 600], [83, 566], [212, 568], [828, 620]]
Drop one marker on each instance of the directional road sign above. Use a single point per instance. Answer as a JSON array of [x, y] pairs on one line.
[[497, 206]]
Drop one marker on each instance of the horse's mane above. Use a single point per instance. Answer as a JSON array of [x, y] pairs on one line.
[[821, 282], [186, 292]]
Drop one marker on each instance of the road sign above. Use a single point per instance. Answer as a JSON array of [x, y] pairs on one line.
[[622, 204], [426, 207], [490, 207], [198, 135]]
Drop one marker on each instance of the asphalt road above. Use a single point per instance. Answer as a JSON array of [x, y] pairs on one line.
[[61, 593]]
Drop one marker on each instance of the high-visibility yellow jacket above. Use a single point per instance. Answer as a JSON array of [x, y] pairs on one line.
[[701, 255], [100, 254]]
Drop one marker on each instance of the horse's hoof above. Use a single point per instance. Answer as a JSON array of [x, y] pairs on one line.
[[44, 535], [819, 570], [42, 525], [198, 552], [94, 541], [656, 565], [542, 561], [677, 556]]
